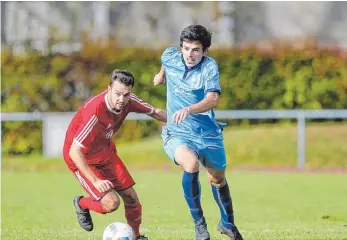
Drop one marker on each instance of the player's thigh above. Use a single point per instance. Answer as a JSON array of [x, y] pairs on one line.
[[129, 195], [182, 151], [187, 158], [118, 174], [87, 185], [104, 173], [213, 154]]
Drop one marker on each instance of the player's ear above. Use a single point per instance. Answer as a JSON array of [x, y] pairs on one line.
[[205, 52], [109, 88]]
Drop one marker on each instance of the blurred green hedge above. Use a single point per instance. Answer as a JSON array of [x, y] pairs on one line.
[[252, 77]]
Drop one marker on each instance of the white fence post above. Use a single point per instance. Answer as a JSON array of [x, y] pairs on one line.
[[301, 141]]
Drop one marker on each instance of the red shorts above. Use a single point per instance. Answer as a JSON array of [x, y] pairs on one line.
[[115, 171]]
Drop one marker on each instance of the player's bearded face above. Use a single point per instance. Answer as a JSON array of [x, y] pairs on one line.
[[192, 52], [118, 95]]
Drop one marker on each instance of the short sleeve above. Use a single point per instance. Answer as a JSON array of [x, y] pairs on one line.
[[169, 55], [211, 77], [139, 106], [88, 127]]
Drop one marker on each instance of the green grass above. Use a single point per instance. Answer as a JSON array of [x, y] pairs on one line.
[[37, 192], [255, 146], [268, 206]]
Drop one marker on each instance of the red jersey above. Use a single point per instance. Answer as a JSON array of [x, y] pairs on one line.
[[93, 126]]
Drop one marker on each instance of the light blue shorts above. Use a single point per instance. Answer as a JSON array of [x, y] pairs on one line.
[[209, 149]]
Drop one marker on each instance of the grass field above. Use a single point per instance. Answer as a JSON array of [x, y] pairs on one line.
[[267, 206], [37, 193]]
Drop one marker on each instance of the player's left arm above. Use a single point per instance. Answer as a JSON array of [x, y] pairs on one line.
[[140, 106], [209, 102], [212, 91], [159, 115]]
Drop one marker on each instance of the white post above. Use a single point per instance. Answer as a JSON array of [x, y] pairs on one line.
[[226, 23], [101, 24], [10, 22], [301, 132]]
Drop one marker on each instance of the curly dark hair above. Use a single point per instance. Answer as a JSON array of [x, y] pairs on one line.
[[196, 33]]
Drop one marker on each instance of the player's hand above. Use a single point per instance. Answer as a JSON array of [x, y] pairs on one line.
[[103, 185], [158, 79], [180, 115]]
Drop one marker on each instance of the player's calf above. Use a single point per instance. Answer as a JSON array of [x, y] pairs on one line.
[[83, 215], [133, 214]]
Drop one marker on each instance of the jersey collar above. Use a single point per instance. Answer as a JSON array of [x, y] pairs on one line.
[[192, 68]]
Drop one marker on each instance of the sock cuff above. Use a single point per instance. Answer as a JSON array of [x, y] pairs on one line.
[[226, 185], [133, 205], [191, 184], [188, 174]]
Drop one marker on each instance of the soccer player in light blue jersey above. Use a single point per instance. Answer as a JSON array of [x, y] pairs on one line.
[[192, 135]]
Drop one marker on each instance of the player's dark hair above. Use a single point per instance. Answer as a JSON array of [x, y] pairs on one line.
[[196, 33], [122, 76]]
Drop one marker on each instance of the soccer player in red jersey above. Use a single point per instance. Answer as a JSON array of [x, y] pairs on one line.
[[92, 156]]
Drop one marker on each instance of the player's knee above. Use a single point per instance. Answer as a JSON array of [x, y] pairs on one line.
[[111, 205], [110, 202], [217, 182], [192, 166]]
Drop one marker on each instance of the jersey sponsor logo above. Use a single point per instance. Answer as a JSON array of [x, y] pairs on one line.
[[195, 79], [109, 134], [182, 89]]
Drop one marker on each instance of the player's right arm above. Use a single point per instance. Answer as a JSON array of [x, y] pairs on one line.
[[86, 133], [167, 59], [159, 78]]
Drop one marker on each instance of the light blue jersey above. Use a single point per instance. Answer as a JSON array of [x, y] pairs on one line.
[[186, 87]]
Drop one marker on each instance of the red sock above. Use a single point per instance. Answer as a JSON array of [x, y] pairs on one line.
[[133, 214], [91, 204]]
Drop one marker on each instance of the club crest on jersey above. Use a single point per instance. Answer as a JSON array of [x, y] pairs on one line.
[[195, 81], [109, 134], [109, 125]]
